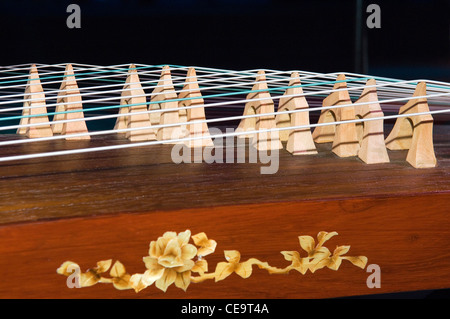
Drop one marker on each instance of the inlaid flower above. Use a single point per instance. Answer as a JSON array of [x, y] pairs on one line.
[[170, 261], [207, 246]]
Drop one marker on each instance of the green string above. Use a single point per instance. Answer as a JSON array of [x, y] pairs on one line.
[[82, 74], [174, 100], [236, 91]]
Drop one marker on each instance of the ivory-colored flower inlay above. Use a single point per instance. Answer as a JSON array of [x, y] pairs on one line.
[[172, 259]]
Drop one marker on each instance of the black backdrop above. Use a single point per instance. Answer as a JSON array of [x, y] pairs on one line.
[[413, 41]]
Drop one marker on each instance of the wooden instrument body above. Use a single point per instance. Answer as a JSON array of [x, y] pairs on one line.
[[96, 206]]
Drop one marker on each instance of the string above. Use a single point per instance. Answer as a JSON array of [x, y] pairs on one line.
[[62, 91], [104, 132], [392, 85], [152, 102], [217, 104], [186, 139]]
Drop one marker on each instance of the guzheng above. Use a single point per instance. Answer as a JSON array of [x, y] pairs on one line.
[[168, 181]]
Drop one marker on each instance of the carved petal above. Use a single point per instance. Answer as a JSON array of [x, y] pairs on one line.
[[136, 282], [359, 261], [341, 250], [167, 279], [157, 247], [89, 278], [117, 270], [201, 266], [172, 255], [223, 270], [291, 255], [207, 246], [244, 269], [323, 236], [334, 262], [318, 264], [152, 275], [307, 243], [302, 265], [67, 268], [103, 266], [205, 251], [122, 283]]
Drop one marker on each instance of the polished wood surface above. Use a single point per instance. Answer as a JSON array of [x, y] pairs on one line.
[[96, 206], [407, 237]]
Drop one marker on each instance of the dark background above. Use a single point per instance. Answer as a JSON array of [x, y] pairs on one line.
[[321, 36], [413, 41]]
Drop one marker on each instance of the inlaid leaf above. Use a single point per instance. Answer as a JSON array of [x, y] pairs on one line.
[[297, 263], [359, 261], [334, 262], [153, 274], [323, 236], [183, 237], [223, 270], [167, 279], [120, 280], [307, 243], [171, 261], [291, 255], [341, 250], [199, 239], [183, 280], [301, 265]]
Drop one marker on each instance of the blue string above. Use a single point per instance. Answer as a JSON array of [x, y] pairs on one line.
[[175, 100]]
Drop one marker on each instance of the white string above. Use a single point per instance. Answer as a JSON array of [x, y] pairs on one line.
[[232, 102], [186, 139], [114, 85], [105, 132], [384, 88], [168, 85]]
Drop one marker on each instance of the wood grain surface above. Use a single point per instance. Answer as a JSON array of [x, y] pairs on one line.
[[97, 206], [407, 237]]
